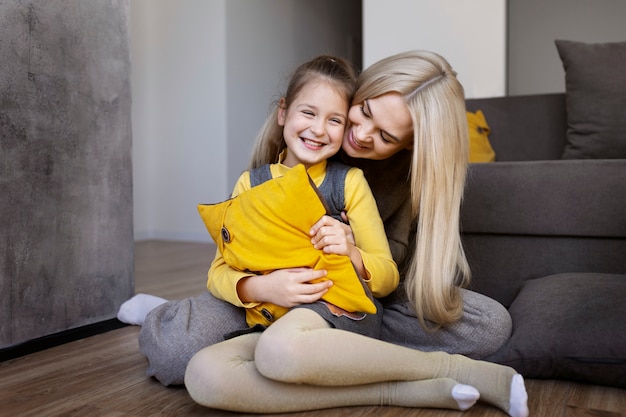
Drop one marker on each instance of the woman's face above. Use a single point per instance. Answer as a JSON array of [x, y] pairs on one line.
[[378, 128]]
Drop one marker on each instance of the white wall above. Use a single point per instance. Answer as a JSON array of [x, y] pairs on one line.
[[203, 75], [471, 35], [179, 126], [266, 40], [534, 63]]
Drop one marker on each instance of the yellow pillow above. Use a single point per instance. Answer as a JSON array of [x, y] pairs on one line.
[[480, 148], [267, 228]]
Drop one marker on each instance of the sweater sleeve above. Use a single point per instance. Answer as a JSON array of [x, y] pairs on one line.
[[389, 180], [369, 234], [222, 279]]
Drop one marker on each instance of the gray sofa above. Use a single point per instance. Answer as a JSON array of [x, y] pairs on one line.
[[546, 237]]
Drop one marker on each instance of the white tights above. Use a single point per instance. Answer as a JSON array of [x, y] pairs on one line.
[[301, 364]]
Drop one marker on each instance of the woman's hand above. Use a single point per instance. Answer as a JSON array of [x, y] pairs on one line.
[[284, 287], [333, 236]]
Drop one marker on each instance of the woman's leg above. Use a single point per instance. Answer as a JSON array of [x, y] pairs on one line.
[[485, 326], [173, 332], [225, 376]]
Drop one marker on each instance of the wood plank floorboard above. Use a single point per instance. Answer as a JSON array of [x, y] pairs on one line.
[[104, 375]]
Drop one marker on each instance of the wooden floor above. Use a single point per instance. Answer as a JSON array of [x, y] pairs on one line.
[[104, 375]]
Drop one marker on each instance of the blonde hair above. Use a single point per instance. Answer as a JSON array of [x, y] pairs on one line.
[[436, 101], [338, 71]]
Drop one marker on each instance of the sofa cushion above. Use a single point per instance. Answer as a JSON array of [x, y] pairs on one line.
[[595, 83], [530, 127], [480, 149], [569, 326]]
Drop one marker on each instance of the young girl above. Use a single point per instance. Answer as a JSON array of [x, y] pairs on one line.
[[306, 128], [301, 362]]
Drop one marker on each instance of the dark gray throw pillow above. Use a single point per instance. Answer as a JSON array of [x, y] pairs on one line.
[[569, 326], [595, 82]]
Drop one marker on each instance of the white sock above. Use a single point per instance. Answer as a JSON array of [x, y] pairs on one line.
[[519, 397], [465, 395], [135, 310]]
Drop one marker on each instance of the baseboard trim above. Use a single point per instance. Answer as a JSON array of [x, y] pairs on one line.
[[60, 338]]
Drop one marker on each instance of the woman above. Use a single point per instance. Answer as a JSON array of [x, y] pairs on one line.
[[413, 151]]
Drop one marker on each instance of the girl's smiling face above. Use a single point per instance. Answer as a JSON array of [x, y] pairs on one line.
[[313, 124], [378, 128]]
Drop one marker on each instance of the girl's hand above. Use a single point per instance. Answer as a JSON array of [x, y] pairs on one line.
[[332, 236], [284, 287]]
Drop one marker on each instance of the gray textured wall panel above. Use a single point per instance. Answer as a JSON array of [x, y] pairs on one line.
[[66, 255]]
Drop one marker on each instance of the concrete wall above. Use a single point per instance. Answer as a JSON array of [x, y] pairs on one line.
[[65, 165]]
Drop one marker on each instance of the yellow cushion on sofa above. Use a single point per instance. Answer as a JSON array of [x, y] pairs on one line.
[[480, 148], [267, 228]]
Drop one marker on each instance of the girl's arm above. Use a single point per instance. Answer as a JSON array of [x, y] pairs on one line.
[[285, 288], [333, 236], [376, 264], [222, 279], [223, 282], [390, 183]]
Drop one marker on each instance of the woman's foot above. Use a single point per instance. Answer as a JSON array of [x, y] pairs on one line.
[[465, 396], [135, 310]]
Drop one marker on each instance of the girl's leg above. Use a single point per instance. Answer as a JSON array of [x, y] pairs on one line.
[[174, 331], [485, 326], [296, 349], [224, 376]]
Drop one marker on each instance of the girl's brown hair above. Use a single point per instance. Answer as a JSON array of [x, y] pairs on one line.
[[338, 71]]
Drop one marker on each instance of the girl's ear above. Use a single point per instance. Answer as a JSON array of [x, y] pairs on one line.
[[282, 111]]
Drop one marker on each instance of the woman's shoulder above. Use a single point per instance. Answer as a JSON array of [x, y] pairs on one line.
[[394, 167]]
